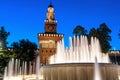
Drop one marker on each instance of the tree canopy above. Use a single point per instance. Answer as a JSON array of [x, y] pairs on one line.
[[79, 30], [3, 37], [4, 55], [24, 50], [102, 33]]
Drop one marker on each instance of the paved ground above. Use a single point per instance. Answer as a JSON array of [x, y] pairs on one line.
[[1, 78]]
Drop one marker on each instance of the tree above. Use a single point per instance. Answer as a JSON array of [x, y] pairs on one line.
[[79, 30], [4, 55], [24, 50], [93, 33], [102, 33], [104, 37], [3, 37]]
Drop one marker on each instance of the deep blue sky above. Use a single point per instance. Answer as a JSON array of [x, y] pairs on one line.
[[24, 19]]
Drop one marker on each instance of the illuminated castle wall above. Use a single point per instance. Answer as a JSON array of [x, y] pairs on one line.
[[48, 39]]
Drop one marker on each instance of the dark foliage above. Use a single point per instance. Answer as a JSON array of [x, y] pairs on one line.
[[79, 30], [24, 50], [102, 33], [3, 37], [4, 55]]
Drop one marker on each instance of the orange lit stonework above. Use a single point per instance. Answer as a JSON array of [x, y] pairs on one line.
[[48, 39]]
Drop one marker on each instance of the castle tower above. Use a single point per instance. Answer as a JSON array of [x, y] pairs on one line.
[[48, 39]]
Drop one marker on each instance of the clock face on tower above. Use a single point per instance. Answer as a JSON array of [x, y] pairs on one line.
[[50, 28]]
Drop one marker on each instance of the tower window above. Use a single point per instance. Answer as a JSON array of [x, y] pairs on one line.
[[42, 51]]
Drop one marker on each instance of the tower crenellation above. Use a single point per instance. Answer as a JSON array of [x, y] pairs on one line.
[[48, 40]]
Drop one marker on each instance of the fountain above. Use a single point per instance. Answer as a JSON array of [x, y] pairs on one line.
[[81, 61], [17, 70], [97, 74], [79, 52]]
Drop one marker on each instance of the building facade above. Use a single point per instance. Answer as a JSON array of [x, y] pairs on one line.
[[48, 39], [114, 56]]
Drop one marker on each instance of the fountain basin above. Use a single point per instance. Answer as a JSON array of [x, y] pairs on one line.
[[79, 71]]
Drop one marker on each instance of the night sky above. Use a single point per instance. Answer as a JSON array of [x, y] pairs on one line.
[[24, 19]]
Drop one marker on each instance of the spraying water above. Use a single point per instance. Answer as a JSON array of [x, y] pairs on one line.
[[97, 75], [77, 61], [79, 51], [20, 71]]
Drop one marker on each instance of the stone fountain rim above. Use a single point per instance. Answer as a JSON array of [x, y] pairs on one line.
[[78, 64]]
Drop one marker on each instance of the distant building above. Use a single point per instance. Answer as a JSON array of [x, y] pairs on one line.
[[115, 56], [48, 39]]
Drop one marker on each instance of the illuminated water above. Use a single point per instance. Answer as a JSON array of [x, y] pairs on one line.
[[81, 61], [17, 70], [97, 73], [79, 52]]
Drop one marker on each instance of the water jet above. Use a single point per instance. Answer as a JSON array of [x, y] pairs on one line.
[[81, 61]]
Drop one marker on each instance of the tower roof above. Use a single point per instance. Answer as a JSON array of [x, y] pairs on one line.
[[50, 5]]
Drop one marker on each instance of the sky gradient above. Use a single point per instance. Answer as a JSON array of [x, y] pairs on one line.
[[24, 19]]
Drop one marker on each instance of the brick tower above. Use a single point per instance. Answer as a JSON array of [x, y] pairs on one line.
[[48, 39]]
